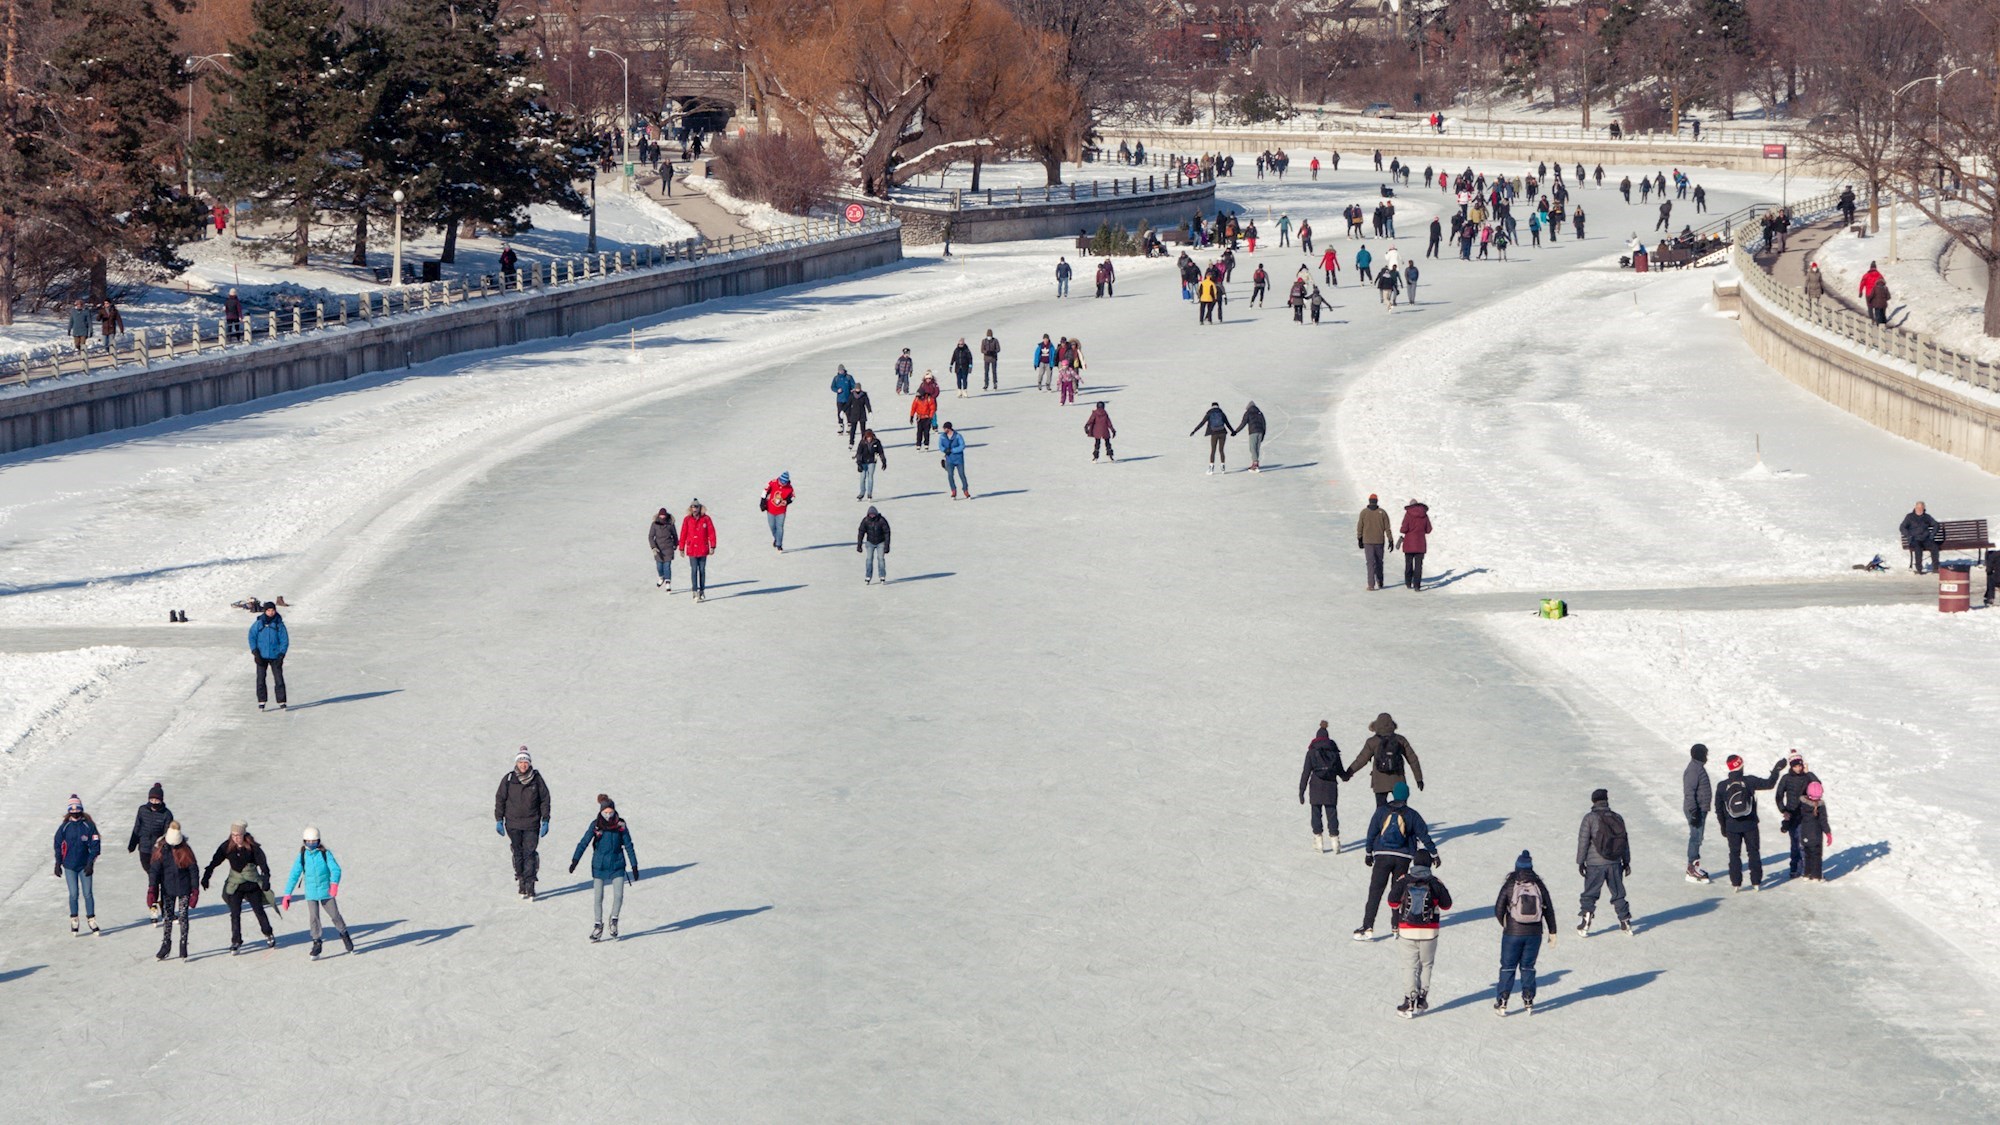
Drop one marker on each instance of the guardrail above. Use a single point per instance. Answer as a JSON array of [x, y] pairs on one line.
[[962, 200], [145, 346], [1453, 127], [1843, 326]]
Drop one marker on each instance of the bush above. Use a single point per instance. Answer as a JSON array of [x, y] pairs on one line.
[[1110, 241], [789, 171]]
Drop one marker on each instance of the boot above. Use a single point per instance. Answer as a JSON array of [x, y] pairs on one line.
[[91, 921], [184, 945], [165, 943], [614, 929], [1500, 1004], [315, 949], [346, 942], [1583, 925], [72, 925]]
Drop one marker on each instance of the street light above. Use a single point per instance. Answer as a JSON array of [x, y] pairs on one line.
[[625, 126], [194, 65], [396, 265]]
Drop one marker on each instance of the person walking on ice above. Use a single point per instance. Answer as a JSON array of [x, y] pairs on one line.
[[147, 828], [1100, 431], [952, 444], [664, 540], [269, 641], [1045, 364], [868, 455], [697, 546], [1416, 532], [1216, 424], [961, 365], [871, 541], [778, 497], [521, 813], [249, 879], [1371, 537], [1063, 273], [613, 860], [1395, 833], [923, 411], [1524, 911], [77, 845], [1418, 900], [1697, 797], [843, 389], [316, 874], [177, 882], [989, 350], [1603, 858], [1320, 780], [1384, 754]]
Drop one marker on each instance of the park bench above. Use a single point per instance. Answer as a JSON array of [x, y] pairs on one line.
[[1672, 258], [1958, 535]]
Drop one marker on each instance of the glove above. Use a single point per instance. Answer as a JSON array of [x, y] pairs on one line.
[[58, 869], [333, 890], [1420, 786], [1583, 871], [857, 548], [545, 828], [635, 874], [1368, 860], [1359, 545], [499, 828], [572, 868], [90, 868], [1437, 861], [194, 898], [1694, 820], [1552, 941], [204, 882], [1625, 869], [285, 903], [1829, 839]]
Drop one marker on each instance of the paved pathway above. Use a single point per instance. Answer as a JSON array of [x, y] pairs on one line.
[[695, 208], [1789, 267]]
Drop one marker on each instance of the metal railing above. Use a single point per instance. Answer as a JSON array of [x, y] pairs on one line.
[[1454, 127], [1831, 319], [144, 347], [1157, 183]]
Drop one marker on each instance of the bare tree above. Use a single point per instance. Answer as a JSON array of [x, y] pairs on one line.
[[1879, 51], [1957, 152]]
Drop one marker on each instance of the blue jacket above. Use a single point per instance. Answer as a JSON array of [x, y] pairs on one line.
[[843, 387], [606, 844], [268, 637], [77, 843], [952, 445], [319, 869], [1397, 829], [1045, 355]]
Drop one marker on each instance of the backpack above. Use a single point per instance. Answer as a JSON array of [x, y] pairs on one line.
[[1740, 803], [1395, 834], [1419, 908], [1608, 837], [1525, 904], [1389, 754], [1329, 769]]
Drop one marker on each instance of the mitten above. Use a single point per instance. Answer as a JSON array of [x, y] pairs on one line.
[[499, 828], [1368, 860], [285, 903], [333, 890], [1420, 785], [204, 882], [1583, 871], [57, 871], [90, 868], [572, 868], [635, 874], [1625, 869], [545, 828]]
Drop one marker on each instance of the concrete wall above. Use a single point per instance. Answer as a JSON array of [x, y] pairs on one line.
[[1059, 218], [1456, 152], [79, 409], [1885, 396]]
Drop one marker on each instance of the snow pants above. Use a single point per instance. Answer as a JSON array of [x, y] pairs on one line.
[[1811, 847], [1332, 819], [1380, 874], [1600, 877], [527, 864], [1419, 954], [1372, 554], [1413, 569], [276, 666], [1106, 444], [1741, 837], [617, 886], [923, 433], [1518, 953]]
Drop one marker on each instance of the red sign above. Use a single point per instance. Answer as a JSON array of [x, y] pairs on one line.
[[1774, 152], [854, 212]]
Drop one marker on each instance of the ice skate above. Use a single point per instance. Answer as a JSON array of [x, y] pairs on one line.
[[73, 930], [597, 932], [91, 921], [1211, 471], [614, 929], [270, 942], [1423, 1001], [346, 942], [1336, 841], [1527, 1005], [1500, 1005], [235, 947], [1408, 1008], [1695, 874], [1626, 925], [1364, 934], [315, 949], [1583, 925]]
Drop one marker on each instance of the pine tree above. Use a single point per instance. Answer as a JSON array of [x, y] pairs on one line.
[[284, 136]]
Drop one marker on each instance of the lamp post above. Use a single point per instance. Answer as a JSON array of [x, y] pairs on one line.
[[396, 264], [625, 123], [194, 65]]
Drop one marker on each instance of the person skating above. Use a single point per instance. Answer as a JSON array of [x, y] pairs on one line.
[[1524, 911], [867, 457], [1410, 280], [249, 879], [1736, 815], [843, 389], [1316, 303], [952, 445], [1045, 364], [698, 544], [859, 406], [1371, 538], [1385, 754], [1418, 900], [1066, 383], [1252, 423], [176, 883], [613, 860], [961, 365], [521, 813], [147, 827], [989, 350], [1297, 299], [77, 846], [1099, 429], [1697, 797], [1260, 284], [1395, 833], [269, 641], [1320, 781], [663, 539], [1603, 858], [1364, 263], [923, 412], [1790, 794], [1216, 424], [1810, 826], [315, 874], [1416, 530], [777, 500], [1436, 239], [871, 540], [905, 367], [1329, 265], [1387, 283], [1206, 292], [1063, 273]]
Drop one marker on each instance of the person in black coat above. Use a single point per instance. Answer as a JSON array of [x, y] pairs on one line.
[[1921, 533], [871, 540], [961, 365], [1524, 910], [249, 879], [175, 876], [1736, 814], [147, 828], [859, 406], [521, 808], [1790, 794], [1320, 780]]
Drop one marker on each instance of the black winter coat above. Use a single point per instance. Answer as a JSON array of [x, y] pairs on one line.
[[1320, 779], [1792, 791], [1734, 781], [870, 450], [1253, 420], [858, 408], [961, 359], [522, 804], [1920, 529], [175, 873], [1502, 906], [874, 529], [250, 855], [149, 826], [661, 536]]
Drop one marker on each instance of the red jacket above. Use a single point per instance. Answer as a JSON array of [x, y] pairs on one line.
[[697, 536], [923, 406], [1329, 260], [777, 497], [1416, 525], [1869, 280], [1099, 425]]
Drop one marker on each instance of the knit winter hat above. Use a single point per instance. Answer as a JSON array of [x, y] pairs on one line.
[[1600, 795], [524, 756], [75, 804], [174, 836], [1794, 758], [1401, 792], [784, 478], [156, 791], [1698, 752], [310, 835], [1524, 861], [1815, 790], [1734, 762], [1423, 858], [239, 828], [659, 513], [605, 802]]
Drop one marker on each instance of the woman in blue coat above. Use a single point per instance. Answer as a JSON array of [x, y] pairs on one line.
[[320, 873], [611, 854], [952, 445], [77, 845], [268, 643]]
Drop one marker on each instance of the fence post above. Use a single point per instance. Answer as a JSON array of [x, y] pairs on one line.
[[319, 315], [273, 333]]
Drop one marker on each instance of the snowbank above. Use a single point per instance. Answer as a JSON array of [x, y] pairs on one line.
[[756, 216], [1924, 301], [39, 690]]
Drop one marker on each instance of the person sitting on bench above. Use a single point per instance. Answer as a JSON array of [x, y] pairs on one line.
[[1921, 533]]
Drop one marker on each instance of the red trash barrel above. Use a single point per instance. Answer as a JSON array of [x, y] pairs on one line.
[[1640, 260], [1954, 588]]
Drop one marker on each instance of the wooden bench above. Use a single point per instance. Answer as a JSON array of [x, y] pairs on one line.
[[1958, 535], [1671, 257]]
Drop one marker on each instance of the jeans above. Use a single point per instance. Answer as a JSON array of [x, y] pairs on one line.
[[1798, 848], [276, 666], [1695, 832], [332, 908], [1256, 447], [1742, 836], [956, 473], [527, 864], [1372, 555], [1062, 287], [1605, 876], [1419, 954], [1413, 569], [777, 522], [963, 376], [989, 377], [1332, 819], [617, 885], [254, 895], [77, 881], [698, 573], [663, 565], [874, 555], [1380, 874], [867, 482], [1518, 951]]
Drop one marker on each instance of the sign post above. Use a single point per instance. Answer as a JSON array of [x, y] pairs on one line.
[[1780, 152]]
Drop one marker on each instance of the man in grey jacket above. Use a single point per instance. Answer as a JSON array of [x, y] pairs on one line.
[[521, 813], [1603, 858], [1696, 799]]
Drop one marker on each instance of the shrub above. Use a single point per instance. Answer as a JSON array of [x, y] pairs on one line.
[[789, 171]]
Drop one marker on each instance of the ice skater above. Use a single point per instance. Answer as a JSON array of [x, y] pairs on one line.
[[1320, 780], [521, 814], [843, 388], [1252, 425], [147, 828], [1395, 833], [176, 884], [1524, 913], [1100, 431], [1810, 826], [249, 880], [613, 860], [952, 445], [872, 542], [1603, 858], [1736, 815], [923, 412], [868, 456], [316, 874], [1697, 797], [1216, 424], [77, 846], [1418, 900], [269, 641], [778, 497], [989, 351]]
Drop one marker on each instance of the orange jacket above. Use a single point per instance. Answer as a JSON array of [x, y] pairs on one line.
[[923, 406]]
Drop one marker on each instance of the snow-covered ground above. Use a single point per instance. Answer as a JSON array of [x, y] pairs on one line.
[[756, 216], [1016, 836], [1925, 300]]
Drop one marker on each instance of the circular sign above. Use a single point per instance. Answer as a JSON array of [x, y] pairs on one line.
[[854, 213]]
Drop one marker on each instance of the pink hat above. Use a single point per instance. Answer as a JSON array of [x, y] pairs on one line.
[[1814, 789]]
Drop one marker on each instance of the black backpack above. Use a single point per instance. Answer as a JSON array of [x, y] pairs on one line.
[[1329, 768], [1389, 754], [1419, 907], [1740, 802], [1608, 837]]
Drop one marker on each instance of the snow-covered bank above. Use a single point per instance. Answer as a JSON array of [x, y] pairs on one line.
[[37, 690], [756, 216], [1923, 299]]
